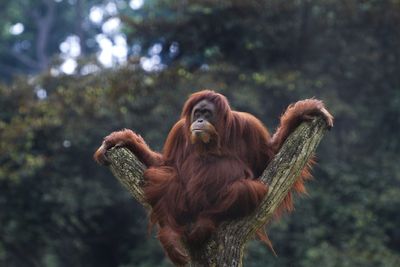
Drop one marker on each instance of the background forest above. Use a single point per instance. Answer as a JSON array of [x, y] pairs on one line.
[[74, 70]]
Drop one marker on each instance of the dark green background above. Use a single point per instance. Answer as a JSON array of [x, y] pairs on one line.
[[58, 208]]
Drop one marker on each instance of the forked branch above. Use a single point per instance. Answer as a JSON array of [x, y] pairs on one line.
[[227, 245]]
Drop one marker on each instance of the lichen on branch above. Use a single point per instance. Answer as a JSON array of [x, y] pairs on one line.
[[226, 246]]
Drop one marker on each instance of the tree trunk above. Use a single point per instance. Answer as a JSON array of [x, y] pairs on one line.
[[226, 246]]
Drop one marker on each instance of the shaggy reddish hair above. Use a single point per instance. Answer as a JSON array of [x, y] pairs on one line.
[[192, 191]]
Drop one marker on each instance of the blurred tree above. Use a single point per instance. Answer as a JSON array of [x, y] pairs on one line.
[[275, 52], [32, 31]]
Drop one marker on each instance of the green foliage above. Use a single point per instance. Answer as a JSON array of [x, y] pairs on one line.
[[57, 208], [44, 28]]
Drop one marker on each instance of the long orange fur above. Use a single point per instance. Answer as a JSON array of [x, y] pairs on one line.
[[191, 193]]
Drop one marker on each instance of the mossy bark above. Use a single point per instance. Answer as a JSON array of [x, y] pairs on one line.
[[226, 247]]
